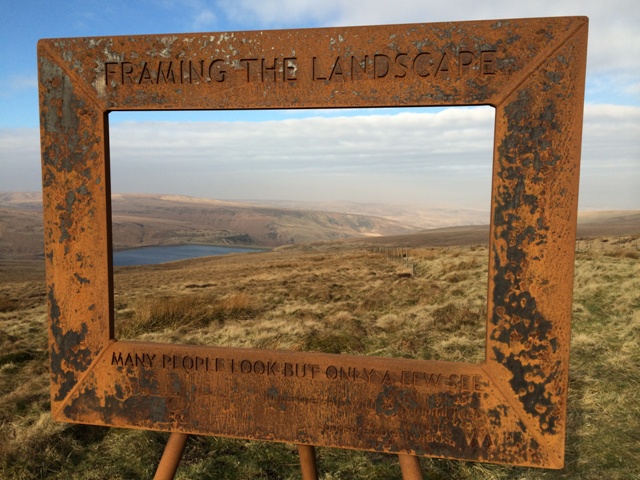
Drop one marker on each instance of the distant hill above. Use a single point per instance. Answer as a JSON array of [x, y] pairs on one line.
[[608, 223], [438, 237], [141, 220], [169, 219], [590, 225]]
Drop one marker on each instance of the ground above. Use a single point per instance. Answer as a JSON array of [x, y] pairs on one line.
[[339, 298]]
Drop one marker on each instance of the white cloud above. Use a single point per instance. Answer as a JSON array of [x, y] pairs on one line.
[[632, 88], [340, 157], [204, 20], [614, 35], [196, 15], [437, 158], [610, 173], [20, 159], [281, 12], [301, 142], [611, 134], [443, 156], [23, 82]]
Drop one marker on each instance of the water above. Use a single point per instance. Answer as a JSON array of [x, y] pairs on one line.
[[170, 253]]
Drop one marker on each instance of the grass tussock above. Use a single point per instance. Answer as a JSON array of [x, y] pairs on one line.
[[182, 313], [338, 300]]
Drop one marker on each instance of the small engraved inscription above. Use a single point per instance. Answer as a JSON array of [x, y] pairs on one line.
[[434, 381], [148, 73], [133, 360]]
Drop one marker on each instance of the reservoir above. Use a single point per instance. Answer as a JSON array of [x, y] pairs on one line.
[[170, 253]]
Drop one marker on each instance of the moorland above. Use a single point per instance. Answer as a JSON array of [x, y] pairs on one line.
[[336, 295]]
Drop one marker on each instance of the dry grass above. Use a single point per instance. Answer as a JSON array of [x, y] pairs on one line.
[[325, 298], [328, 299], [182, 313]]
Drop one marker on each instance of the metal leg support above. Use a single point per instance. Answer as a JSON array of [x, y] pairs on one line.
[[171, 456], [308, 462], [410, 467]]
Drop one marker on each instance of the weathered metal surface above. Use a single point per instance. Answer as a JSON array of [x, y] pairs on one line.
[[509, 409]]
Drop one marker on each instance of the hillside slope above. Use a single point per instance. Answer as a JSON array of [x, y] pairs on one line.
[[164, 219], [142, 220]]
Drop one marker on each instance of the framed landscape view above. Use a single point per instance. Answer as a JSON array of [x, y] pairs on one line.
[[510, 409]]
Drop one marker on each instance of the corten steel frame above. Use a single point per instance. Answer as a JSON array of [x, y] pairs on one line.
[[509, 409]]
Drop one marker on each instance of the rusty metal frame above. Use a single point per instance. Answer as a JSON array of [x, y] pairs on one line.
[[509, 409]]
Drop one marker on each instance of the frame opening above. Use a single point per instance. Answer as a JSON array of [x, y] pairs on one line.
[[351, 273]]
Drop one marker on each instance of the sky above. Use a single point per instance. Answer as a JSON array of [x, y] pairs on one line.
[[331, 155]]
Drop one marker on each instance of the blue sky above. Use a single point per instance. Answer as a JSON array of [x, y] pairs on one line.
[[459, 176]]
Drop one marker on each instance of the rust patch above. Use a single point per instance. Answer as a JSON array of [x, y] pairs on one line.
[[511, 409]]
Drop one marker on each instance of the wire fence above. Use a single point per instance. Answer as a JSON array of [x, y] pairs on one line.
[[400, 254], [607, 245]]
